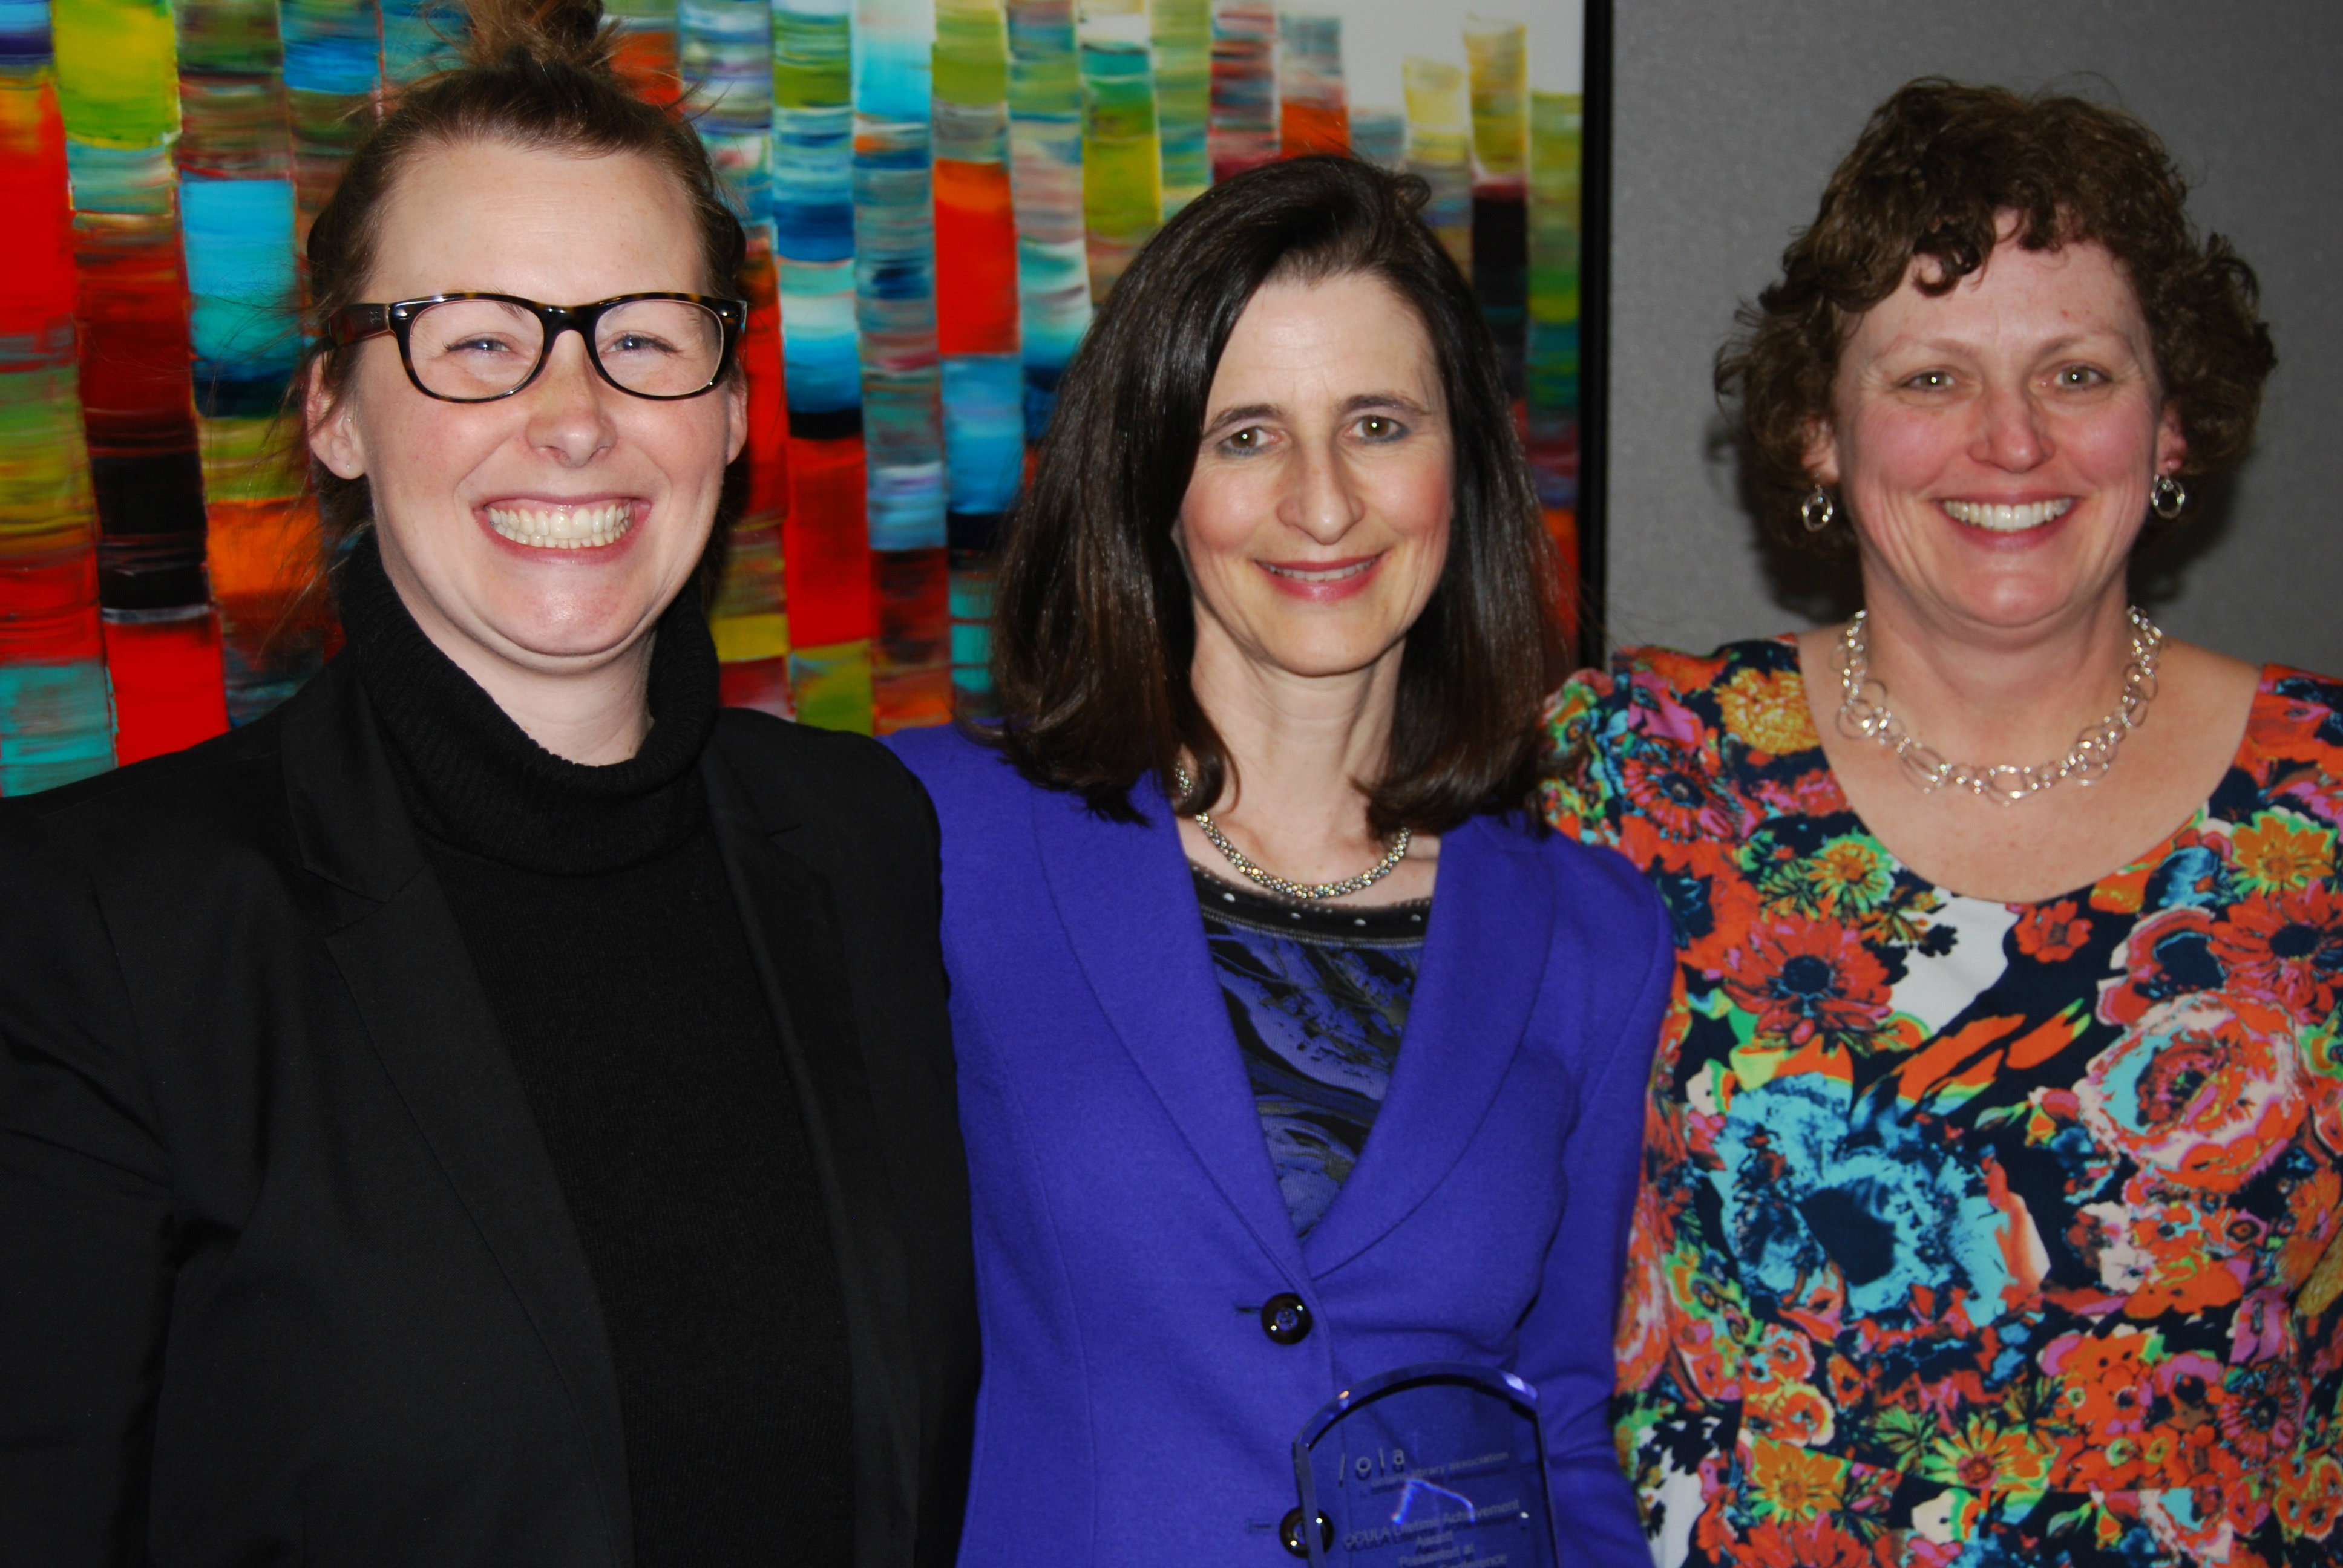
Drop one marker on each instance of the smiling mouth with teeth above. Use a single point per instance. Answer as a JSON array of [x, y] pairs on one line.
[[1326, 575], [1998, 518], [564, 528]]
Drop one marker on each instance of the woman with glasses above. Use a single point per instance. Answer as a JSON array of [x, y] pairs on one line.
[[442, 1122]]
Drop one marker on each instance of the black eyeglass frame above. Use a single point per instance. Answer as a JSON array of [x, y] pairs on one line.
[[396, 319]]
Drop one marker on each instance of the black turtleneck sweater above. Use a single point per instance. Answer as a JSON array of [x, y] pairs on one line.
[[596, 908]]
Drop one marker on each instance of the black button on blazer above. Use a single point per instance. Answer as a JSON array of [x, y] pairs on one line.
[[285, 1271]]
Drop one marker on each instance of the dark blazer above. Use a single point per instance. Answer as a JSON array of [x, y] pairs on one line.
[[1134, 1413], [285, 1271]]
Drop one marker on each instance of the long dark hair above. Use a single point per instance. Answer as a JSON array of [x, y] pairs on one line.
[[1093, 624]]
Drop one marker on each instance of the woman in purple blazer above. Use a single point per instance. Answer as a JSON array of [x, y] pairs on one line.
[[1289, 1050]]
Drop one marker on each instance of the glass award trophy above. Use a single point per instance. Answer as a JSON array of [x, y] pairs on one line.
[[1440, 1466]]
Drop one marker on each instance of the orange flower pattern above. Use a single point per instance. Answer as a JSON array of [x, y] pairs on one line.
[[1975, 1235], [2052, 933]]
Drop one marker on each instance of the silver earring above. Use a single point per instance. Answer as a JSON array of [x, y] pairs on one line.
[[2167, 497], [1818, 511]]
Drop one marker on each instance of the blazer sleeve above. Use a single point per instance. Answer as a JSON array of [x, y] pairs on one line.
[[85, 1221], [1566, 1341]]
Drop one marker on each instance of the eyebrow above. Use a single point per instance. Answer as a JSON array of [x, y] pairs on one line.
[[1351, 405], [2055, 346]]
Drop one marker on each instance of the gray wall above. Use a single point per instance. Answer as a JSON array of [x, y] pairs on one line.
[[1731, 115]]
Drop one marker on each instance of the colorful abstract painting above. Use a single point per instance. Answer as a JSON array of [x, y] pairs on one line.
[[938, 192]]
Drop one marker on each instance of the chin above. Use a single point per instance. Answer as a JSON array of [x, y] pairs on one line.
[[571, 627], [1995, 590], [1317, 660], [2012, 605]]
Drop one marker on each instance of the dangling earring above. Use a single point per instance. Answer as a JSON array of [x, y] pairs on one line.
[[1818, 511], [2167, 497]]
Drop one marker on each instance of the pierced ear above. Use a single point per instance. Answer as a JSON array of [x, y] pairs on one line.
[[1822, 454], [2171, 441], [333, 430]]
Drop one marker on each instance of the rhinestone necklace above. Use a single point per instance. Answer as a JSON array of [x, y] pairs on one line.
[[1309, 892], [1865, 718]]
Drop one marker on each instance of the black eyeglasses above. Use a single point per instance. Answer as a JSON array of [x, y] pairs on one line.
[[478, 347]]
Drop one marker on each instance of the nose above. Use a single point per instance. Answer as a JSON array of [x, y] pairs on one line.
[[569, 413], [2015, 436], [1320, 500]]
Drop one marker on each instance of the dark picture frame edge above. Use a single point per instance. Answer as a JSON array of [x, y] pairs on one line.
[[1595, 336]]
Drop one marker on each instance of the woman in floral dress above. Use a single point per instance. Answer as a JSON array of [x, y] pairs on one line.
[[1992, 1192]]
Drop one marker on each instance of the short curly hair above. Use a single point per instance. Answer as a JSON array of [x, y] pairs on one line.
[[1934, 171]]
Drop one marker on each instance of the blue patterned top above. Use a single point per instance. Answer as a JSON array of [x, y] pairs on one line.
[[1318, 997]]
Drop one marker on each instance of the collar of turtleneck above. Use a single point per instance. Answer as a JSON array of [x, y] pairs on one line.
[[474, 779]]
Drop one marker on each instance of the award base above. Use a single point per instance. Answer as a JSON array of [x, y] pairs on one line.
[[1439, 1465]]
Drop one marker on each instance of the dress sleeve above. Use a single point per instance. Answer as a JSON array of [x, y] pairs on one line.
[[1566, 1343], [85, 1223], [1574, 790]]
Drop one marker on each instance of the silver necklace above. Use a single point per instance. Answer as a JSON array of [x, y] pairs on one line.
[[1309, 892], [1862, 717]]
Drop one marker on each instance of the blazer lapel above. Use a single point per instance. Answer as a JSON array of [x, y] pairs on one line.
[[1125, 897], [1484, 957], [404, 963], [787, 909]]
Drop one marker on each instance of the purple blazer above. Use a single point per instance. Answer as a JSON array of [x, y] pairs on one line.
[[1129, 1227]]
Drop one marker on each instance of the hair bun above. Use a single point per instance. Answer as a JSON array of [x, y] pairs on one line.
[[548, 32]]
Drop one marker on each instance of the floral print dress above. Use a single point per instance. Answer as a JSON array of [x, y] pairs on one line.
[[1975, 1233]]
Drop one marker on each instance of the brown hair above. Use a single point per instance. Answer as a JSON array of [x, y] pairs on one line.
[[1929, 179], [538, 74], [1094, 626]]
